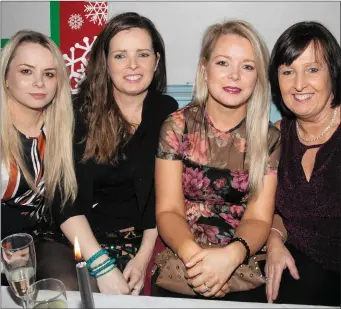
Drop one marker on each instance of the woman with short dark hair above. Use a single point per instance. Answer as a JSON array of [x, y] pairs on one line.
[[305, 77]]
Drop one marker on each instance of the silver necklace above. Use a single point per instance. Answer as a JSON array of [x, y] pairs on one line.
[[322, 133]]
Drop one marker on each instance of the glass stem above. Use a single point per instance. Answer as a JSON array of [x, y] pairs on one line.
[[25, 302]]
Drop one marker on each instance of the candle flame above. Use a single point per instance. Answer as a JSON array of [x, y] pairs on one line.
[[78, 255]]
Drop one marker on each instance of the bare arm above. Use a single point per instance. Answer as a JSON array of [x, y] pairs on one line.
[[257, 219], [79, 226], [148, 243], [170, 209], [112, 282]]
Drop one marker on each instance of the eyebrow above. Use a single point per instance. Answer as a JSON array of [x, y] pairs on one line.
[[124, 50], [228, 57], [33, 67], [305, 64]]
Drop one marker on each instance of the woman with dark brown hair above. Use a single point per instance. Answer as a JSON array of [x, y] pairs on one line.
[[119, 111]]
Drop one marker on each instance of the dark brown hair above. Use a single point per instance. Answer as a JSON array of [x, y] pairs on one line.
[[107, 129], [291, 44]]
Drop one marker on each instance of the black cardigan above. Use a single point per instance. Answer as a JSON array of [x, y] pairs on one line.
[[156, 108]]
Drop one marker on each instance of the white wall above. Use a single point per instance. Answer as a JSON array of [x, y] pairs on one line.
[[31, 15], [182, 24]]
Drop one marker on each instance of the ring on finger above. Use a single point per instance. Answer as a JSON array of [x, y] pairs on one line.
[[208, 289]]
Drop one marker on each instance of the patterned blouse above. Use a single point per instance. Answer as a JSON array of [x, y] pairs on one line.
[[21, 207], [215, 170]]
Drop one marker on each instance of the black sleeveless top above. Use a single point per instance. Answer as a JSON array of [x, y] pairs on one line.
[[311, 210]]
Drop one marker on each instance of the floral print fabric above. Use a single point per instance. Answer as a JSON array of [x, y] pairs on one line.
[[215, 170]]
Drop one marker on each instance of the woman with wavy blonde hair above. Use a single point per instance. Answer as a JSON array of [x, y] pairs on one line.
[[217, 163], [36, 132]]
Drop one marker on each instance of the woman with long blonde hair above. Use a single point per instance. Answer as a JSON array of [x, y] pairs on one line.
[[217, 162], [36, 132]]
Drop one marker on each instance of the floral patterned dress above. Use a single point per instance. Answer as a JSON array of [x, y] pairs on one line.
[[215, 170]]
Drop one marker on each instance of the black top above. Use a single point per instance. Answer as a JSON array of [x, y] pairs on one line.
[[311, 209], [118, 196], [22, 207]]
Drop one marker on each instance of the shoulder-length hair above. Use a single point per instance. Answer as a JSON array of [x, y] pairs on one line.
[[107, 128], [258, 106], [58, 121], [292, 43]]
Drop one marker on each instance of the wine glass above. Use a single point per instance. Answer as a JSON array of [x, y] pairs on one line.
[[19, 263], [47, 293]]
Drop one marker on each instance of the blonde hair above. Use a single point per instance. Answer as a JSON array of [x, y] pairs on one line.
[[58, 119], [258, 106]]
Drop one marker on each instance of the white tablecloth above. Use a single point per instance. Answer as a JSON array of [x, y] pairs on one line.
[[123, 301]]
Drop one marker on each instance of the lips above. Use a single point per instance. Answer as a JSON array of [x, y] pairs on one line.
[[232, 90], [302, 97], [38, 96]]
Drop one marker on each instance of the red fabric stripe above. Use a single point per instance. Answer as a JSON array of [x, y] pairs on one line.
[[41, 151]]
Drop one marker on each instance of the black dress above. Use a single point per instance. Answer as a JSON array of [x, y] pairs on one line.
[[117, 198]]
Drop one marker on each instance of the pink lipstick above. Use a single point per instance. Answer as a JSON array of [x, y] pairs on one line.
[[232, 90]]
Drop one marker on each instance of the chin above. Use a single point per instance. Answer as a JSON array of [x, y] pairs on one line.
[[232, 105], [135, 91]]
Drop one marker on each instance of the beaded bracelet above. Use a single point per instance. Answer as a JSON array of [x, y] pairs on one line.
[[109, 270], [244, 243], [99, 269], [96, 256]]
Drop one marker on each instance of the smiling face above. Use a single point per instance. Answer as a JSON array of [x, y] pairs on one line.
[[230, 72], [131, 61], [31, 79], [306, 85]]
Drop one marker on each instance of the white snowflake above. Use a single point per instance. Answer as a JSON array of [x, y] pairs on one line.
[[97, 12], [77, 65], [75, 21]]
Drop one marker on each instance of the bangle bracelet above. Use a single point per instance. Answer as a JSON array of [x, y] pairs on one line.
[[279, 232], [96, 256], [99, 269], [244, 243], [107, 271], [91, 269]]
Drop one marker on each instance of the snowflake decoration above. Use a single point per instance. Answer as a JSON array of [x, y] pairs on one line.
[[97, 12], [77, 62], [75, 21]]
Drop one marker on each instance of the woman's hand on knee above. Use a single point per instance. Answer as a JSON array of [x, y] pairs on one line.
[[278, 259], [113, 283], [209, 270], [135, 273]]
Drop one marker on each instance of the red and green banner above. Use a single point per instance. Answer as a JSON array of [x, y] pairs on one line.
[[79, 23]]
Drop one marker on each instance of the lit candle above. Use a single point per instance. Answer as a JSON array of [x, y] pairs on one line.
[[83, 279]]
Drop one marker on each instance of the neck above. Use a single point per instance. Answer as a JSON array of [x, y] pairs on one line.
[[129, 104], [28, 121], [311, 128], [225, 118]]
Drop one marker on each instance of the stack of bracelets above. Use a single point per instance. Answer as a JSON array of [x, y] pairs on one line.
[[102, 268]]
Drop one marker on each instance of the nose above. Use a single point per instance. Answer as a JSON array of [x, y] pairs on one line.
[[38, 81], [300, 82], [234, 74], [132, 63]]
